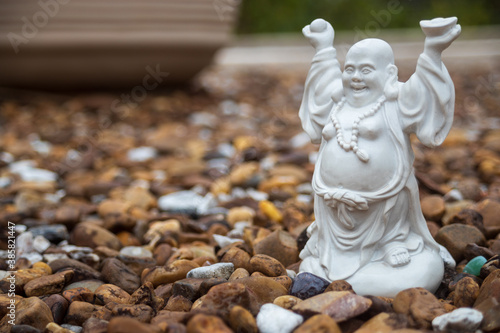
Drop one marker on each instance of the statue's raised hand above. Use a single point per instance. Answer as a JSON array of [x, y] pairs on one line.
[[440, 33], [319, 33]]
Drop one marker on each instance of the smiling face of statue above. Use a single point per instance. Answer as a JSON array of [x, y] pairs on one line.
[[369, 65]]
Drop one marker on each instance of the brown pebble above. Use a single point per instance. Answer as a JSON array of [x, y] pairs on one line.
[[267, 265], [141, 312], [110, 293], [469, 217], [433, 207], [239, 273], [54, 328], [188, 288], [161, 254], [489, 288], [238, 257], [116, 272], [319, 323], [81, 271], [279, 245], [466, 292], [455, 238], [419, 305], [91, 235], [284, 280], [79, 294], [29, 311], [130, 325], [78, 312], [58, 306], [178, 303], [384, 322], [474, 250], [340, 305], [287, 301], [201, 323], [49, 284], [95, 325], [241, 320], [146, 295], [168, 274], [490, 308], [490, 210], [339, 285]]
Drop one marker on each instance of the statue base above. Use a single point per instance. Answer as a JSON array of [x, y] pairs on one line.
[[426, 270]]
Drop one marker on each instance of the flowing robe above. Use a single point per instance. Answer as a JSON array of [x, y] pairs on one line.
[[342, 239]]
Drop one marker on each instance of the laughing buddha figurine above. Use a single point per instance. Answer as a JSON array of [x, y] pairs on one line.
[[369, 228]]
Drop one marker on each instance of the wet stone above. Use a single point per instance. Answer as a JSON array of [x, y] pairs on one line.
[[116, 272], [307, 285], [340, 305], [273, 318]]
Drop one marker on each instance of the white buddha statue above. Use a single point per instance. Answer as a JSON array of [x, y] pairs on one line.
[[369, 227]]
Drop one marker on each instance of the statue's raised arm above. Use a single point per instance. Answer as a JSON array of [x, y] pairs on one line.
[[323, 87]]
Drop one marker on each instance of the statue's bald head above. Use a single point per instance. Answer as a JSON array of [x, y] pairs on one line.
[[375, 48]]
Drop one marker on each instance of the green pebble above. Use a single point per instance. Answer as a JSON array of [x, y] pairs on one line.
[[474, 265]]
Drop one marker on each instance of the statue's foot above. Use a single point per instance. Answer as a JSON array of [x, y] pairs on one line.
[[398, 257], [447, 258]]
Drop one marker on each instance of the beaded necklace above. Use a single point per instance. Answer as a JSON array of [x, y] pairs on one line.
[[353, 144]]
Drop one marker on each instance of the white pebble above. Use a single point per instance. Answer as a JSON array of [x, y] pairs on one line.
[[180, 201], [28, 172], [33, 257], [54, 256], [40, 244], [24, 243], [274, 319], [141, 154], [136, 251], [461, 320], [291, 274], [220, 270], [223, 241]]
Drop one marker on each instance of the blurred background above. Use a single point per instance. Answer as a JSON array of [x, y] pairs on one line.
[[90, 44]]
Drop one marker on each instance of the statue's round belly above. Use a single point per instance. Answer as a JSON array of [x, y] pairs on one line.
[[345, 170]]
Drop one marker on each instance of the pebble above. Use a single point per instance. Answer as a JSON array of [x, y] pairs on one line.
[[287, 301], [240, 214], [136, 251], [141, 154], [107, 293], [340, 305], [489, 288], [91, 235], [433, 207], [466, 292], [279, 245], [130, 325], [474, 265], [58, 306], [384, 322], [40, 244], [91, 285], [96, 325], [202, 323], [168, 274], [461, 320], [146, 295], [49, 284], [274, 319], [141, 312], [220, 270], [185, 202], [238, 257], [223, 241], [319, 323], [24, 243], [241, 320], [489, 210], [307, 285], [116, 272], [30, 311], [55, 233], [78, 312], [270, 210], [267, 265], [455, 238], [29, 173], [419, 305], [82, 271]]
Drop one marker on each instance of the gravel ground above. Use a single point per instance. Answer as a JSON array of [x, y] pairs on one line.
[[125, 209]]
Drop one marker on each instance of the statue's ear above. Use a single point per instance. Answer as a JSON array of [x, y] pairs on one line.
[[391, 90]]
